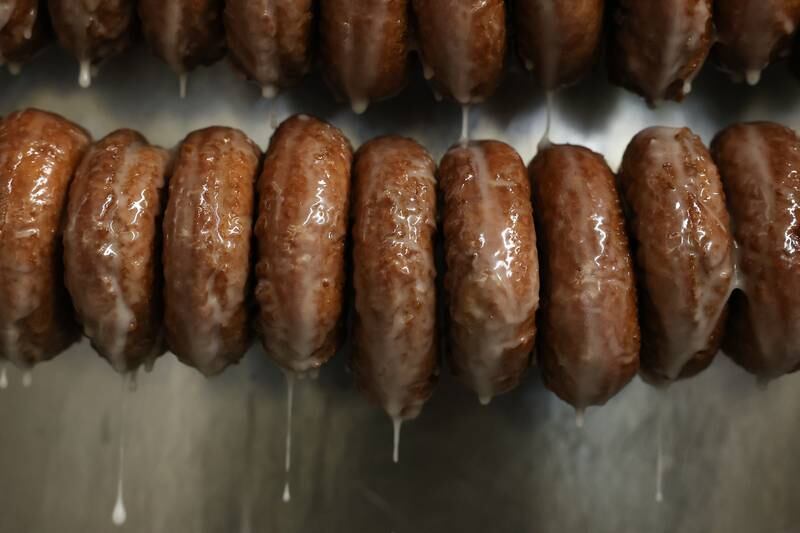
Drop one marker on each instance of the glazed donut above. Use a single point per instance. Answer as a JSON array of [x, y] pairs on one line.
[[92, 31], [680, 231], [657, 48], [463, 46], [112, 245], [364, 48], [492, 276], [394, 274], [207, 229], [301, 228], [38, 155], [558, 41], [751, 34], [23, 31], [184, 33], [760, 167], [588, 344], [270, 41]]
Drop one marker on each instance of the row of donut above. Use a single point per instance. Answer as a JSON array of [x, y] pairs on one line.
[[656, 48], [712, 238]]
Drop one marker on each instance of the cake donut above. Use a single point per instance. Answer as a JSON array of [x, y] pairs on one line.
[[364, 48], [23, 31], [184, 33], [207, 230], [270, 41], [588, 345], [463, 46], [112, 249], [39, 152], [760, 167], [751, 34], [680, 231], [658, 47], [301, 227], [492, 275], [394, 274], [92, 31], [558, 40]]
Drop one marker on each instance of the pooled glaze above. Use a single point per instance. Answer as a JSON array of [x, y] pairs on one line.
[[492, 276], [301, 227], [463, 45], [184, 33], [111, 244], [38, 155], [558, 40], [753, 33], [207, 228], [364, 48], [394, 227], [22, 32], [760, 168], [92, 30], [657, 48], [588, 345], [680, 230], [270, 40]]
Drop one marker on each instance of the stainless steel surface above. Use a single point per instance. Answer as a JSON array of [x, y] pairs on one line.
[[207, 455]]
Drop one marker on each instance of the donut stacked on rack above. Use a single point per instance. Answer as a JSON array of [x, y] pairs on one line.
[[655, 49], [597, 276]]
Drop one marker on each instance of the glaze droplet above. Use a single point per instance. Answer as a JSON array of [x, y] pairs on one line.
[[85, 74], [579, 417], [397, 422], [752, 77], [119, 515], [359, 105], [269, 92], [464, 125], [3, 379], [27, 379], [183, 81]]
